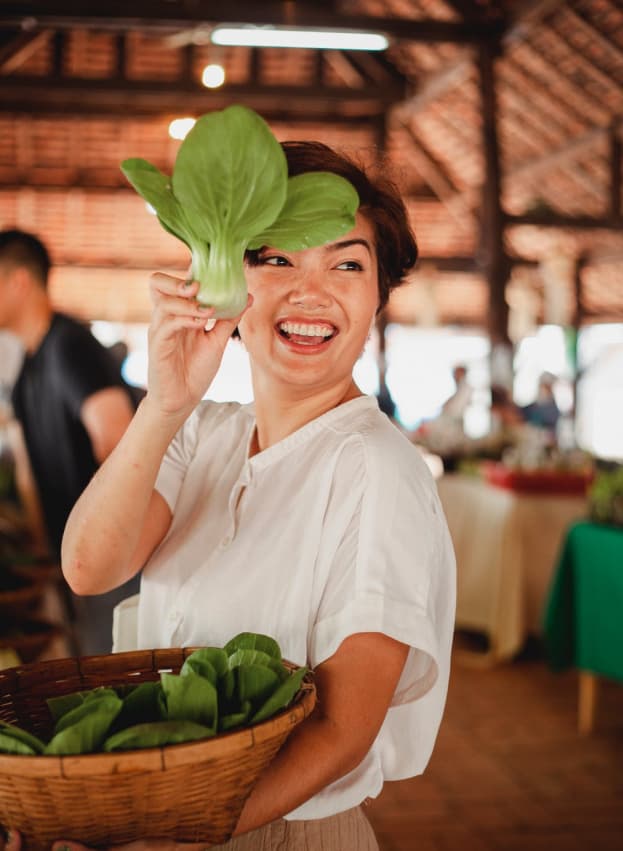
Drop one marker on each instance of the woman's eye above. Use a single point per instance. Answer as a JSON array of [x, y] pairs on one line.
[[274, 260], [350, 266]]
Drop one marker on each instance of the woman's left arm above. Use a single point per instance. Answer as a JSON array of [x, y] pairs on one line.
[[354, 688]]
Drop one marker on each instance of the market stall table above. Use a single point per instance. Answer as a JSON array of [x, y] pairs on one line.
[[507, 544], [584, 614]]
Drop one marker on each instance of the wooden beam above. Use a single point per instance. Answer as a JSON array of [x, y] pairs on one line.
[[453, 75], [492, 254], [558, 220], [344, 68], [436, 85], [18, 48], [58, 54], [165, 17], [91, 96], [595, 35], [372, 67], [435, 176], [582, 61], [558, 157]]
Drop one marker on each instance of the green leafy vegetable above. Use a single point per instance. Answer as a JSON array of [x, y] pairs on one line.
[[14, 740], [191, 698], [281, 697], [87, 728], [145, 703], [217, 689], [253, 641], [230, 191], [243, 658], [155, 734], [236, 719], [59, 706], [208, 662]]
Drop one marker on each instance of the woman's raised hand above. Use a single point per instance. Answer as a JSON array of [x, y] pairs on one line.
[[184, 357]]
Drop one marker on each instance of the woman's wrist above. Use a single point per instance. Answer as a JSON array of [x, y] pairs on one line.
[[159, 421]]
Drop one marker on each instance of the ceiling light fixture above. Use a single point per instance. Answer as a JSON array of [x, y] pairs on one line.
[[179, 128], [326, 39], [213, 76]]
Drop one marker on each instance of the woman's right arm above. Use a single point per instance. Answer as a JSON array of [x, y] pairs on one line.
[[120, 519]]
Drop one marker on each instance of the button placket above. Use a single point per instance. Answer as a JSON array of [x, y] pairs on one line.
[[234, 504]]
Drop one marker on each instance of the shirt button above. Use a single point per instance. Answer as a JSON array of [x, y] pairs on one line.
[[173, 615], [226, 541]]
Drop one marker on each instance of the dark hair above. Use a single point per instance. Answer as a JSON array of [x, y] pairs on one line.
[[21, 249], [379, 200]]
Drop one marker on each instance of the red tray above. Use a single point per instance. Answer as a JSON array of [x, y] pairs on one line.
[[537, 481]]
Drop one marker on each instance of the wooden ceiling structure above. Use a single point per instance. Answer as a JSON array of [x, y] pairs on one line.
[[502, 122]]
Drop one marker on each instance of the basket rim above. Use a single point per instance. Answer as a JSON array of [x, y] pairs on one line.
[[162, 757]]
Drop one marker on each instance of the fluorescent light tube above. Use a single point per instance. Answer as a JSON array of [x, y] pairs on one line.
[[252, 36]]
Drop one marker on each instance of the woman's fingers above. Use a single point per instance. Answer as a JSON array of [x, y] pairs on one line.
[[223, 328], [162, 284], [174, 296]]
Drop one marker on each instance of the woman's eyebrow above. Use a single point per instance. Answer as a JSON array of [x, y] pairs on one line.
[[346, 243]]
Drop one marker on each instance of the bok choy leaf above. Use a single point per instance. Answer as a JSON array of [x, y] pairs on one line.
[[229, 192]]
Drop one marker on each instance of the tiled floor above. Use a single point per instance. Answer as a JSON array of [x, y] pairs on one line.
[[510, 772]]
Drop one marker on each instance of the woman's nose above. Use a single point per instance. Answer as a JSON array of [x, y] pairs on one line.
[[310, 293]]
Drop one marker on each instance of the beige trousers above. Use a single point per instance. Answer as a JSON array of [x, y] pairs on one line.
[[347, 831]]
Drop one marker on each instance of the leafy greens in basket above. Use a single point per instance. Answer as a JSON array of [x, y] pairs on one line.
[[230, 192], [216, 690]]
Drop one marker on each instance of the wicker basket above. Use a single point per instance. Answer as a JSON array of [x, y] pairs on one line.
[[191, 792]]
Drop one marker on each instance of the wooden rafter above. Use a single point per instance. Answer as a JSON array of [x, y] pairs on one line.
[[88, 97], [557, 220], [436, 177], [164, 17], [18, 47], [559, 156], [596, 36]]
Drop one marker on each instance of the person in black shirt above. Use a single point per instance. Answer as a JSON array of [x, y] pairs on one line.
[[72, 407]]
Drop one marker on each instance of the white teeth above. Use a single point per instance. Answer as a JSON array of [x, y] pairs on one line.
[[305, 330]]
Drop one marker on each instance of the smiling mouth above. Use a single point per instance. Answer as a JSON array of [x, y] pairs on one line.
[[306, 335]]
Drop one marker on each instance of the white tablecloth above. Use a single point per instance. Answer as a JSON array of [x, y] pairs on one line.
[[506, 546]]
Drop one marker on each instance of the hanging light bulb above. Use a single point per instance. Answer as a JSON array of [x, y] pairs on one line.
[[213, 76], [180, 127]]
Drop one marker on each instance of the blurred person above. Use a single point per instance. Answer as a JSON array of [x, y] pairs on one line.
[[455, 405], [505, 414], [544, 411], [71, 407]]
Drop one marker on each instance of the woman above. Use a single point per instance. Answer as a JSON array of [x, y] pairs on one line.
[[307, 516]]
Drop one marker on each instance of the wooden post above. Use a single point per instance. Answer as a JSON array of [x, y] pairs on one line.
[[492, 256], [615, 170], [587, 701]]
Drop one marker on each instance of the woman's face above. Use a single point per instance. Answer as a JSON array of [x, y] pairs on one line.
[[312, 310]]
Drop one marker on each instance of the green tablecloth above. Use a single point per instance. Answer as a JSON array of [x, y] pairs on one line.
[[584, 614]]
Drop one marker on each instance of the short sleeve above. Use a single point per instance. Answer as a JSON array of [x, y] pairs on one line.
[[386, 569], [393, 571]]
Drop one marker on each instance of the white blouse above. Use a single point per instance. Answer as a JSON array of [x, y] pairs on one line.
[[335, 530]]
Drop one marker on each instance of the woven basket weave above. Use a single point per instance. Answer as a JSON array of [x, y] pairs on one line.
[[190, 792]]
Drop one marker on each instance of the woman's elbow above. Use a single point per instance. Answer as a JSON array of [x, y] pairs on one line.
[[77, 576]]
